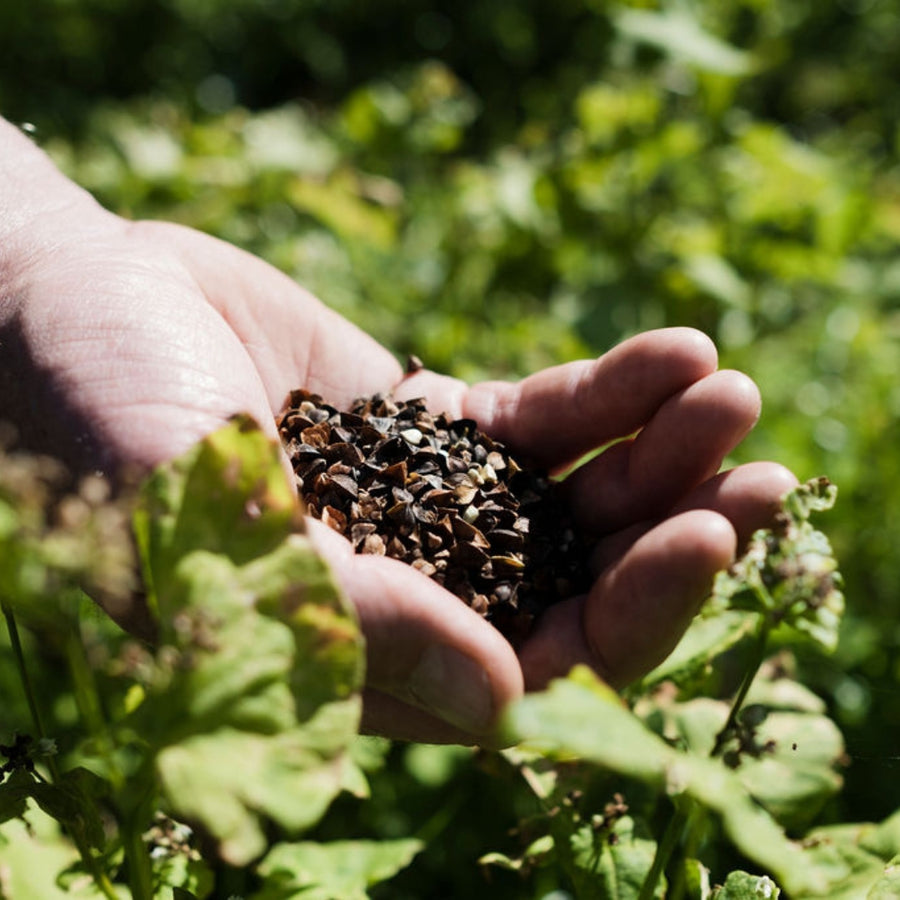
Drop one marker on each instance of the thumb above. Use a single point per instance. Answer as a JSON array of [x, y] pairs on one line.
[[424, 647]]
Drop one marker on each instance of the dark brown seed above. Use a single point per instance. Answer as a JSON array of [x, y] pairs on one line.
[[502, 539], [425, 567], [317, 435], [469, 556], [440, 495], [374, 545], [345, 484], [396, 473], [335, 519], [359, 531]]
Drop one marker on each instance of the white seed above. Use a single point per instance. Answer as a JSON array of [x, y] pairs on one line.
[[412, 436]]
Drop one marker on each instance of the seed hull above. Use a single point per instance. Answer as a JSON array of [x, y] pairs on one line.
[[440, 495]]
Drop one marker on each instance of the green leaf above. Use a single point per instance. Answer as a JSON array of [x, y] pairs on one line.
[[856, 857], [33, 856], [220, 533], [742, 886], [185, 875], [14, 794], [293, 586], [788, 573], [888, 886], [836, 851], [341, 870], [614, 863], [339, 206], [707, 637], [558, 722], [619, 741], [785, 693], [797, 776], [789, 765], [884, 839], [224, 673], [815, 495], [70, 801], [696, 880], [227, 495], [538, 851], [434, 765], [680, 36], [715, 276], [230, 781], [252, 699]]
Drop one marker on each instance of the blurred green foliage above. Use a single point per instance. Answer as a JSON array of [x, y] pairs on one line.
[[501, 186]]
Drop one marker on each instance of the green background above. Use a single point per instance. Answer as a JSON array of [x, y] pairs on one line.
[[499, 186]]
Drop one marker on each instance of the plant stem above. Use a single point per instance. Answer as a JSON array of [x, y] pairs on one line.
[[140, 873], [16, 644], [19, 655], [664, 850], [678, 822], [87, 698], [100, 877], [690, 842], [756, 660]]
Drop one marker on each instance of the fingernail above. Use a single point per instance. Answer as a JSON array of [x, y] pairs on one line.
[[453, 687]]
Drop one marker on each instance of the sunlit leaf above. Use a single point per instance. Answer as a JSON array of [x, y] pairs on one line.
[[534, 854], [742, 886], [341, 870], [582, 717], [31, 858], [614, 863], [229, 781], [884, 838], [789, 574], [227, 495], [707, 638], [888, 886], [679, 35], [251, 702]]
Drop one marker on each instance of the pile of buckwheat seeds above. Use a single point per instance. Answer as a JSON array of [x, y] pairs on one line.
[[442, 496]]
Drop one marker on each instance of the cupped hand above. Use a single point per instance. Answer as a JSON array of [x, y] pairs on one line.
[[124, 343]]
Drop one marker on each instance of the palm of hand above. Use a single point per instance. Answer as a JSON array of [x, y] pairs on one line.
[[150, 335]]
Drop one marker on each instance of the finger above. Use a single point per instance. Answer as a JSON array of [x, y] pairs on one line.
[[293, 339], [441, 393], [682, 446], [424, 647], [748, 496], [638, 609], [385, 715], [557, 415]]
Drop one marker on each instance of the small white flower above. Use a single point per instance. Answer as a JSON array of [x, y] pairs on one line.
[[46, 747]]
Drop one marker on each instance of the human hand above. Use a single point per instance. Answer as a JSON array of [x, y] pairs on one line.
[[127, 342]]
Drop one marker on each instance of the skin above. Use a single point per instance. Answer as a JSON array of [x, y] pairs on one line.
[[125, 342]]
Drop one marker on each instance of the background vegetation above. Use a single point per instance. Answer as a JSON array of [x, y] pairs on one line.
[[500, 186]]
